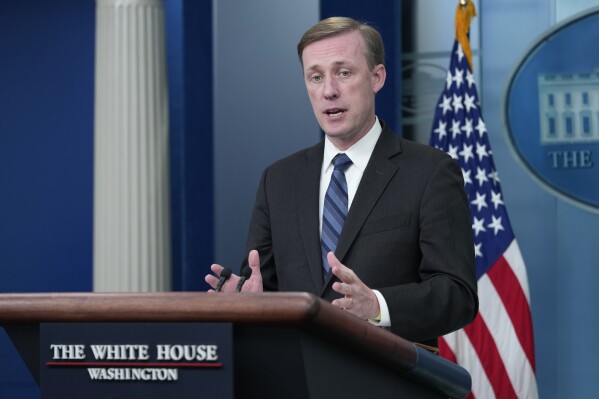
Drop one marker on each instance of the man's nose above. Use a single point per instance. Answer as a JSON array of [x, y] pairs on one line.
[[331, 89]]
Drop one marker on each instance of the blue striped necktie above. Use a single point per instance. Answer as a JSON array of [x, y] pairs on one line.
[[334, 210]]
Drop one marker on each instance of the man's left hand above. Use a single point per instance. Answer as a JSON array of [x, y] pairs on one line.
[[358, 298]]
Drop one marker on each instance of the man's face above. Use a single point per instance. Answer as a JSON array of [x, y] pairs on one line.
[[342, 87]]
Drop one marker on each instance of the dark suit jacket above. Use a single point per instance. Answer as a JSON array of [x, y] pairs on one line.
[[408, 234]]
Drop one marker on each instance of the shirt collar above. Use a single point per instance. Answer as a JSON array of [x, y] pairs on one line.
[[359, 153]]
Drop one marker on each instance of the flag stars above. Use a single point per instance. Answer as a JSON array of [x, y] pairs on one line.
[[466, 153], [481, 127], [496, 224], [469, 78], [455, 128], [469, 102], [448, 80], [468, 127], [481, 151], [441, 130], [480, 176], [496, 199], [445, 104], [453, 151], [466, 176], [494, 176], [458, 77], [480, 201], [478, 226], [478, 250], [457, 103]]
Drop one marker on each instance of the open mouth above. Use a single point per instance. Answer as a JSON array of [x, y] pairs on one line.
[[334, 111]]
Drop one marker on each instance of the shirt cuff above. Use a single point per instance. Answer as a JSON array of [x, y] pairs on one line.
[[385, 317]]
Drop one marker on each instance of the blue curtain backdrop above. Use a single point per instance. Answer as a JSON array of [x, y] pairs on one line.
[[46, 157]]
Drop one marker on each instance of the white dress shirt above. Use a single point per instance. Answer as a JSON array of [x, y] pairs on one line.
[[360, 154]]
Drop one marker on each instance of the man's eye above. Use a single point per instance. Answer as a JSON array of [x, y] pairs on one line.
[[316, 78], [344, 74]]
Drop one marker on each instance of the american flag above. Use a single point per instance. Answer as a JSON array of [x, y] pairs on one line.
[[497, 348]]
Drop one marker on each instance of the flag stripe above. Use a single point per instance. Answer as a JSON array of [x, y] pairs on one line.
[[460, 346], [513, 256], [516, 305], [446, 349], [502, 330], [488, 353]]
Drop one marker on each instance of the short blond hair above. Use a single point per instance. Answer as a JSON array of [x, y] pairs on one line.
[[375, 50]]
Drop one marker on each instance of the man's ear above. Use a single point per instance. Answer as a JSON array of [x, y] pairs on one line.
[[379, 74]]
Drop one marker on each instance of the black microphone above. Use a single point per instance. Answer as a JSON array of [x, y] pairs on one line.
[[224, 276], [244, 275]]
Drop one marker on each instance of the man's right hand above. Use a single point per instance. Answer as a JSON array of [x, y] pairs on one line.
[[252, 284]]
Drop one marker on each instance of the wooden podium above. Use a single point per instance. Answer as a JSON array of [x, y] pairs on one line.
[[286, 345]]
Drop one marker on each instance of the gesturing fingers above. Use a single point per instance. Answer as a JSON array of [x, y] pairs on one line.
[[342, 272], [358, 298], [211, 278], [216, 269], [254, 283], [343, 288], [222, 279], [254, 259]]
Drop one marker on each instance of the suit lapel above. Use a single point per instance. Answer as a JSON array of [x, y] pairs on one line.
[[307, 197], [381, 168]]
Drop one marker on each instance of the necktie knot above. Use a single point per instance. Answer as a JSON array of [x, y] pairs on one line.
[[341, 162]]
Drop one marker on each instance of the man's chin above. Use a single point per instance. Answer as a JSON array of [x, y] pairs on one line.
[[334, 129], [336, 134]]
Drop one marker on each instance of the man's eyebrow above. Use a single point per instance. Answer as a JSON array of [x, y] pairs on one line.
[[336, 63]]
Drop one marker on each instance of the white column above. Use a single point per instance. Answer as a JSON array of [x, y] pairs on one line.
[[131, 179]]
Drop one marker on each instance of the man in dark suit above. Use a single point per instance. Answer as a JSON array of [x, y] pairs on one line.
[[383, 230]]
